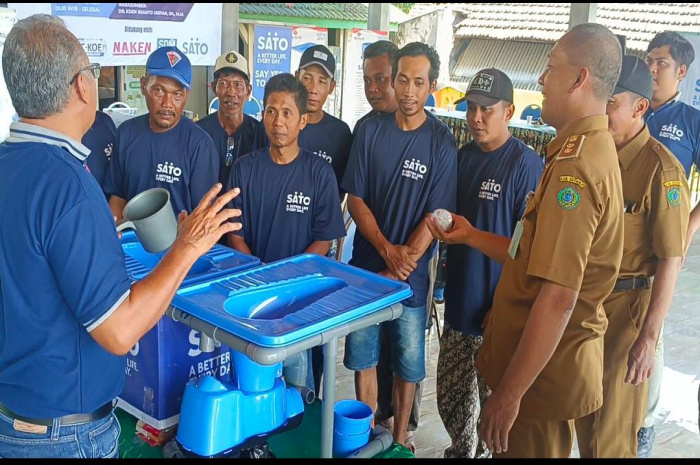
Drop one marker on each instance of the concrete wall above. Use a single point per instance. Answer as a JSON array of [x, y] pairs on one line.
[[435, 29]]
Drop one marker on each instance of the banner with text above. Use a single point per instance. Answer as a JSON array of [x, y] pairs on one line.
[[119, 34], [272, 55], [355, 104]]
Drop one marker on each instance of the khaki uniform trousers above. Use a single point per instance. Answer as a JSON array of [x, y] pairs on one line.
[[538, 438], [611, 431]]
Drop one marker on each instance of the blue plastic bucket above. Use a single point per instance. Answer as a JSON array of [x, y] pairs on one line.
[[252, 377], [345, 445], [352, 417]]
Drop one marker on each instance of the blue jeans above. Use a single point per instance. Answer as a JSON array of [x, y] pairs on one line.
[[96, 439], [407, 338]]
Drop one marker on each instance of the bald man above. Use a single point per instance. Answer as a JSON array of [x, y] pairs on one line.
[[543, 346]]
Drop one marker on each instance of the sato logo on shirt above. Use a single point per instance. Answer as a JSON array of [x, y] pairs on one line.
[[414, 169], [168, 172], [490, 190], [298, 202], [671, 131]]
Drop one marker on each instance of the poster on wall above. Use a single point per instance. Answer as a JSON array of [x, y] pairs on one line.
[[272, 55], [118, 34], [7, 112], [355, 105], [690, 86]]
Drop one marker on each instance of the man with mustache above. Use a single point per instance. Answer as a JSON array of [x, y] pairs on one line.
[[163, 149], [496, 172], [543, 346], [234, 133], [402, 167]]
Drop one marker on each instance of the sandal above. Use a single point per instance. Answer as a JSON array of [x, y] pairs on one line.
[[410, 443]]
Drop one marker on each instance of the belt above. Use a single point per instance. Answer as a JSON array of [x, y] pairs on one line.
[[67, 420], [631, 284]]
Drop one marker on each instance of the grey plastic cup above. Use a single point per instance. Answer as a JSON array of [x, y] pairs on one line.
[[150, 215]]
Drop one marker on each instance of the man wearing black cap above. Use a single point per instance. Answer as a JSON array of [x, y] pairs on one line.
[[161, 148], [234, 133], [495, 173], [655, 221], [325, 135]]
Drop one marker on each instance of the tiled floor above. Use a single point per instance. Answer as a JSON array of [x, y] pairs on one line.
[[677, 420]]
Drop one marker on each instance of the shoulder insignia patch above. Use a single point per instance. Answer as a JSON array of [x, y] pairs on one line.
[[672, 183], [674, 197], [568, 198], [573, 180], [571, 147]]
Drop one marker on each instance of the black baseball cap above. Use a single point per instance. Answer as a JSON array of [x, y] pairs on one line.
[[488, 87], [321, 56], [635, 77]]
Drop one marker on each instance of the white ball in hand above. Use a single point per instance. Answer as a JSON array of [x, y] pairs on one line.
[[444, 218]]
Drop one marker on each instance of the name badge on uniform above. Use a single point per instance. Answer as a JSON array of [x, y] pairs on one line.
[[515, 240]]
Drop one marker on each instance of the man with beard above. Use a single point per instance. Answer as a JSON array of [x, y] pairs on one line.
[[163, 149]]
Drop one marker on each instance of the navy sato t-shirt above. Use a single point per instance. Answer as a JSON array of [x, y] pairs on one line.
[[100, 140], [245, 140], [492, 189], [285, 208], [331, 140], [401, 176], [677, 126], [182, 160]]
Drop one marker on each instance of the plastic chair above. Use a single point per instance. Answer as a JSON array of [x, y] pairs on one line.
[[535, 111], [461, 106], [431, 101]]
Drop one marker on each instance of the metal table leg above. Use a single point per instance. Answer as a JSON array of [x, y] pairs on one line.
[[330, 351]]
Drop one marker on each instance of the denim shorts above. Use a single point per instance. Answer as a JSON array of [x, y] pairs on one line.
[[407, 342], [95, 439]]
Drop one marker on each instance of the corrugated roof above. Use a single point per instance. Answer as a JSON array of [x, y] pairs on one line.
[[331, 11], [638, 22], [335, 11], [529, 21], [522, 61]]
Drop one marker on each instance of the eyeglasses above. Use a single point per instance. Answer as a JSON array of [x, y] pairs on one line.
[[230, 147], [94, 67]]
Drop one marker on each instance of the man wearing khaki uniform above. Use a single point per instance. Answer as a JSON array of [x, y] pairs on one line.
[[656, 219], [543, 347]]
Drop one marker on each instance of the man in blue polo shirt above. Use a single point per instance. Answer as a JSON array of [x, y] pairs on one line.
[[100, 141], [402, 167], [324, 135], [68, 312], [676, 125], [495, 174], [161, 148], [234, 133]]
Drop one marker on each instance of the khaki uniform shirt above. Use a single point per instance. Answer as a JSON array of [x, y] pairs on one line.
[[657, 205], [572, 236]]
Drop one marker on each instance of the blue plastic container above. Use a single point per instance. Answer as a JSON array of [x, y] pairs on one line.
[[344, 446], [168, 356], [352, 417], [252, 377], [281, 303]]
